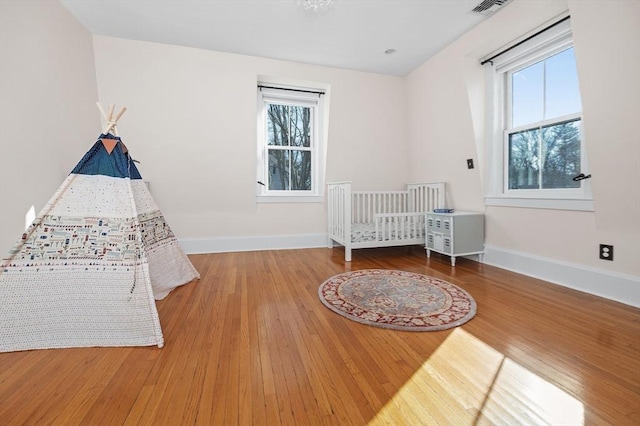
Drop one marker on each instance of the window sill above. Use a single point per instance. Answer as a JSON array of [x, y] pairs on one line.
[[290, 199], [541, 203]]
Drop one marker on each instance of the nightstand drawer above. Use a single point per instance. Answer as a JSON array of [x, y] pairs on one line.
[[438, 224], [439, 242]]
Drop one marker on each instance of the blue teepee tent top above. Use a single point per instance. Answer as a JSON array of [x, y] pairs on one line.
[[98, 161]]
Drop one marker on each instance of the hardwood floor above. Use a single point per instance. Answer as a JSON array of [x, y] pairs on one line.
[[251, 344]]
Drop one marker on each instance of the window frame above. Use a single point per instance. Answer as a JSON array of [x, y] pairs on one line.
[[292, 96], [498, 129]]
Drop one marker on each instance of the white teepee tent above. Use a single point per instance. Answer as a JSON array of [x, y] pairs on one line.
[[88, 269]]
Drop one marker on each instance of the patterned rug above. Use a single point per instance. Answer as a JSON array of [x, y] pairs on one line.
[[398, 300]]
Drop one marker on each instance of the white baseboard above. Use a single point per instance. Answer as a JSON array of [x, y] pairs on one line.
[[254, 243], [611, 285]]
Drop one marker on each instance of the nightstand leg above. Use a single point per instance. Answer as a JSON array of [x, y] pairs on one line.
[[453, 261], [428, 253]]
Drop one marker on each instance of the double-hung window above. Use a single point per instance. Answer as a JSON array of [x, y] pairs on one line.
[[537, 151], [290, 154]]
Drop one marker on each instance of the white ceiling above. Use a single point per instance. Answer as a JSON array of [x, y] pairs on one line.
[[352, 34]]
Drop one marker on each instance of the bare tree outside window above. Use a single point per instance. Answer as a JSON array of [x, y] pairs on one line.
[[545, 157], [289, 147]]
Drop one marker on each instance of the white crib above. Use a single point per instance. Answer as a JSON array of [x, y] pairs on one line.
[[363, 219]]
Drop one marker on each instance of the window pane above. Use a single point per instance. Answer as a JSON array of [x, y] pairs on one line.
[[277, 124], [300, 127], [554, 150], [561, 87], [527, 95], [524, 159], [278, 169], [561, 155], [300, 170]]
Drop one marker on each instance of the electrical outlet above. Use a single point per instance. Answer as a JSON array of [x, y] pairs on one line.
[[470, 163], [606, 252]]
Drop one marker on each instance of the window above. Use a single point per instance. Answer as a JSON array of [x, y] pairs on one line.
[[290, 154], [536, 140]]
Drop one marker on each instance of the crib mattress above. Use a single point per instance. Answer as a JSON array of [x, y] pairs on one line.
[[362, 232]]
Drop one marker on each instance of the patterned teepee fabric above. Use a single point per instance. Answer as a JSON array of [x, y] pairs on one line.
[[88, 269]]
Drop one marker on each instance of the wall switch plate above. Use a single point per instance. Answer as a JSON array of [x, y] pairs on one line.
[[470, 163], [606, 252]]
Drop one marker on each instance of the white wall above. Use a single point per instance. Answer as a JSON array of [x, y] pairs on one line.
[[48, 117], [191, 122], [446, 104]]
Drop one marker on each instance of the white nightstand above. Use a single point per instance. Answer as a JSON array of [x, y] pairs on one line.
[[455, 234]]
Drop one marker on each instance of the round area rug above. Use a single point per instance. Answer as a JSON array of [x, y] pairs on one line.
[[397, 299]]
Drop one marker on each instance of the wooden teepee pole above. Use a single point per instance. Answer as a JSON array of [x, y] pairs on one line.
[[110, 121]]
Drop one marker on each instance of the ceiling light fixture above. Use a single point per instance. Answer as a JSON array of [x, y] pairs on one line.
[[314, 5]]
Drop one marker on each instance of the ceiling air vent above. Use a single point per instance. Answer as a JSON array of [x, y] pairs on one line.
[[489, 7]]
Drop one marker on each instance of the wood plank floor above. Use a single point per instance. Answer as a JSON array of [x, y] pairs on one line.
[[250, 344]]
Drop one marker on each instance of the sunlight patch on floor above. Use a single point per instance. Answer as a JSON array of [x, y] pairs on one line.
[[466, 382]]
